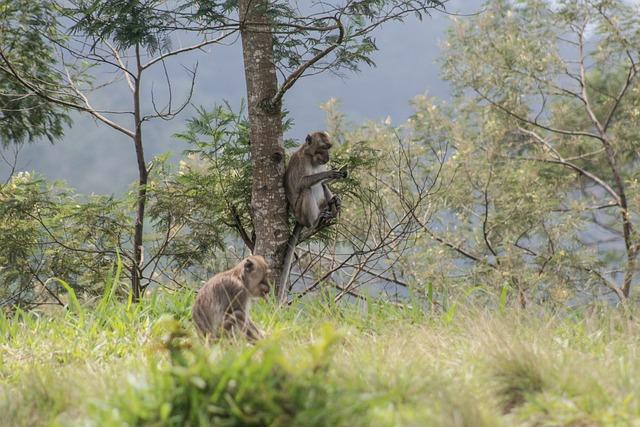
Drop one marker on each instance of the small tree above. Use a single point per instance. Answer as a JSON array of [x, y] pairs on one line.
[[548, 101], [48, 233], [128, 38]]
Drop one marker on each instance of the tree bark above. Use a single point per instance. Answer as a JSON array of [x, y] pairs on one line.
[[268, 200]]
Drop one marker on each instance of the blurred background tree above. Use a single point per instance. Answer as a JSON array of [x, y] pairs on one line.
[[545, 129]]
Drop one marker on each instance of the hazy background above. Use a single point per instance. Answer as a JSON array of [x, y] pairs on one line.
[[95, 158]]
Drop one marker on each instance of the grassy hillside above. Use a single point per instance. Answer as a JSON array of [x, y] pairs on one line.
[[113, 364]]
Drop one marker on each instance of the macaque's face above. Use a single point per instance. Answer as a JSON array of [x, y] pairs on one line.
[[321, 157], [256, 275], [319, 146]]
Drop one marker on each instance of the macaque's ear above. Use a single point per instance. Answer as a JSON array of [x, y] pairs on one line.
[[248, 266], [308, 139]]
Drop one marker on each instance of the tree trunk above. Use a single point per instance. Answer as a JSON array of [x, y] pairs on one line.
[[268, 201], [630, 242], [143, 173]]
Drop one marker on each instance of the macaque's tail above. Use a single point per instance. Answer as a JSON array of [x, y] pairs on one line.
[[283, 283]]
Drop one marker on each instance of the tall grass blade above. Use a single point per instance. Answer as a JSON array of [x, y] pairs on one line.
[[111, 285], [503, 297], [73, 299]]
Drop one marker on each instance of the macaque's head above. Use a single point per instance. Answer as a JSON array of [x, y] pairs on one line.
[[255, 275], [318, 145]]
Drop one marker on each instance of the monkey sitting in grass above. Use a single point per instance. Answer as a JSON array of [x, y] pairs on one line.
[[222, 304]]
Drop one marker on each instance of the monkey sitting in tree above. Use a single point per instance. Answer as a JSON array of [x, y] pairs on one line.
[[306, 180], [222, 304], [310, 199]]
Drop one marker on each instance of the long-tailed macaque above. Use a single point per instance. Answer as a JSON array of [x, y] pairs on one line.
[[308, 194], [222, 304], [306, 181]]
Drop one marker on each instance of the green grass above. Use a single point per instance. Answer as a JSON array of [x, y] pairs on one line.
[[113, 364]]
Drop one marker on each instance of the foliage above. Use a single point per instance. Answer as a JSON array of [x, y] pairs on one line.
[[209, 196], [127, 23], [47, 232], [25, 33], [543, 169], [497, 220], [245, 387], [301, 34]]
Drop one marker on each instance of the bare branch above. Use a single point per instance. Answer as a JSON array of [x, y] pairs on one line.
[[125, 71], [293, 77], [89, 109], [187, 49], [533, 122], [561, 161]]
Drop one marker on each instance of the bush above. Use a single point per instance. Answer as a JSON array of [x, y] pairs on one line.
[[254, 386]]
